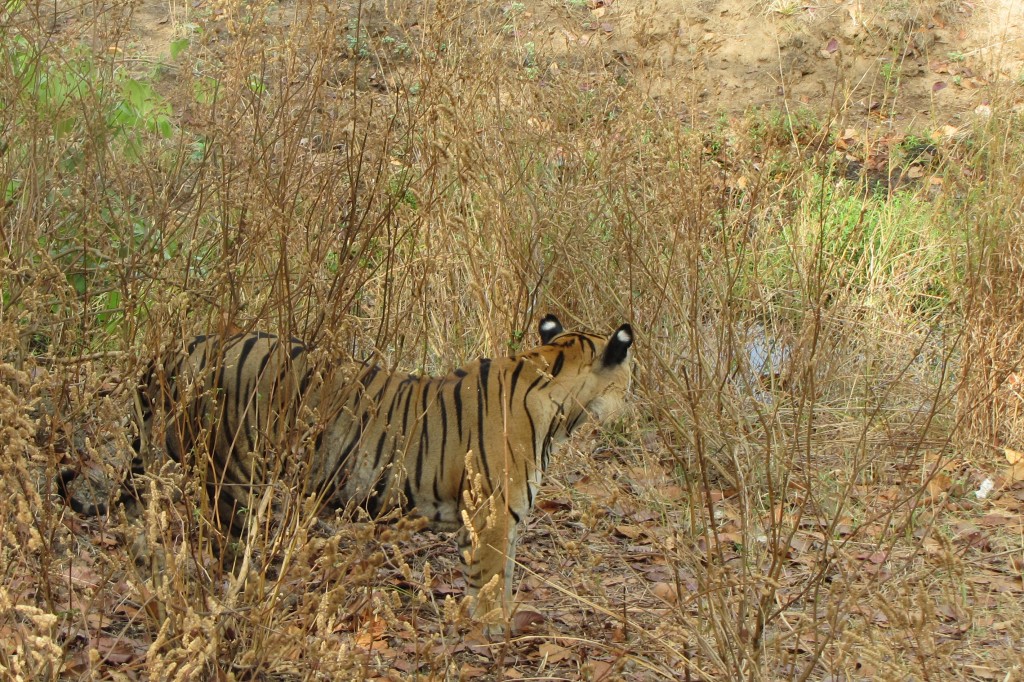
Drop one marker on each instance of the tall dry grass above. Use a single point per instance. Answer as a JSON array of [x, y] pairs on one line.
[[415, 182]]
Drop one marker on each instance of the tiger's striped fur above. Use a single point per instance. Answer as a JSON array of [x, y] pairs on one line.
[[253, 408]]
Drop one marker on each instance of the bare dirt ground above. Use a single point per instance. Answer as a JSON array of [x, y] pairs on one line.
[[911, 64], [908, 62]]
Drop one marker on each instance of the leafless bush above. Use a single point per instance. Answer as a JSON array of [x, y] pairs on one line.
[[407, 181]]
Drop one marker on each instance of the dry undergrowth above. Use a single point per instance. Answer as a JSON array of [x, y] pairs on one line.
[[828, 370]]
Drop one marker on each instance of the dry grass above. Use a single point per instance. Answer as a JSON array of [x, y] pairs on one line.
[[827, 371]]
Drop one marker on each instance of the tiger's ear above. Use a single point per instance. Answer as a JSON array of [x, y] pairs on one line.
[[550, 327], [617, 349]]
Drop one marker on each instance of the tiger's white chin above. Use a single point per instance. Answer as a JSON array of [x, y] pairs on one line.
[[606, 408]]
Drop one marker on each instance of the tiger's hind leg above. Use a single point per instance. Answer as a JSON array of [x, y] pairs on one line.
[[487, 551]]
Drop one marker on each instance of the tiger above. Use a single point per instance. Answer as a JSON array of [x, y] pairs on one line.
[[465, 451]]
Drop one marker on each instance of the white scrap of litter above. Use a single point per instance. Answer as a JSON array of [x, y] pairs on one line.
[[986, 487]]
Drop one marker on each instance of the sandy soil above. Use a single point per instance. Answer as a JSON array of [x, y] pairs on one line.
[[907, 62], [914, 64]]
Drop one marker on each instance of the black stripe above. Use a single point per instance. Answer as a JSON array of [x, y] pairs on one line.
[[481, 409], [243, 356], [462, 488], [380, 449], [274, 400], [194, 343], [485, 370], [391, 408], [216, 393], [444, 436], [375, 503], [240, 392], [380, 394], [460, 372], [576, 422], [515, 379], [533, 433], [254, 388], [336, 480], [369, 374], [458, 407], [529, 415], [409, 390], [556, 369], [409, 503], [593, 348], [552, 427], [266, 359], [424, 424], [533, 384], [304, 384]]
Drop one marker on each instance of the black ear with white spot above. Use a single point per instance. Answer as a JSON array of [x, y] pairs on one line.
[[618, 346], [550, 327]]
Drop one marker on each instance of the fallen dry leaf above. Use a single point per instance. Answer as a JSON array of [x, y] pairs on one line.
[[996, 519], [666, 592], [525, 621], [1014, 473], [554, 653], [469, 672], [940, 482], [115, 649], [370, 634], [598, 670], [629, 531], [554, 504]]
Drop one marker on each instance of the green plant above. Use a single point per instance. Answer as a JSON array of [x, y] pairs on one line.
[[357, 39], [511, 13]]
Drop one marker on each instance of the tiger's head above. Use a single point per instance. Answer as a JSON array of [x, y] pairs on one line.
[[588, 374]]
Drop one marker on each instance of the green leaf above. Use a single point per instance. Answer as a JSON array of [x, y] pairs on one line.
[[139, 95], [257, 85], [178, 46], [12, 7], [205, 90], [12, 190], [164, 127], [78, 282]]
